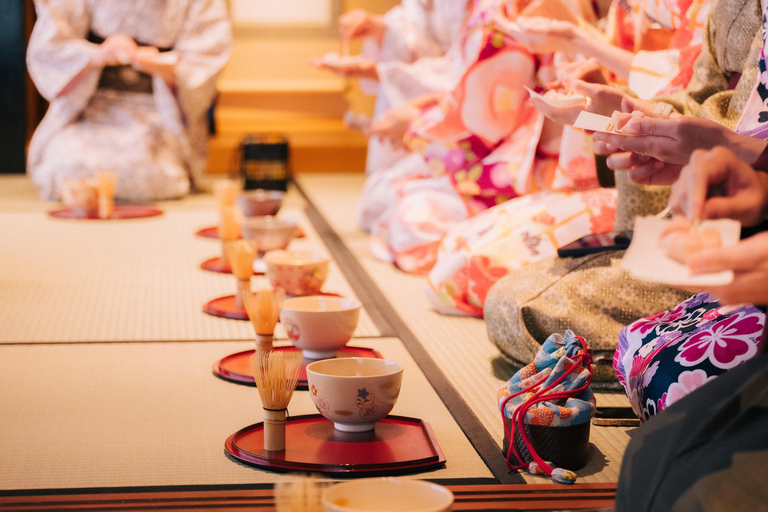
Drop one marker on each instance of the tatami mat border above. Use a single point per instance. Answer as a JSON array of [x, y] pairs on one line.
[[388, 321]]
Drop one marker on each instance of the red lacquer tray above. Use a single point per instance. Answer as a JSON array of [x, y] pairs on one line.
[[237, 367], [216, 265], [213, 232], [122, 211], [209, 232], [225, 307], [397, 445]]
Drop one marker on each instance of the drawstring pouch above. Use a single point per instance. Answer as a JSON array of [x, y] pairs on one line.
[[547, 407]]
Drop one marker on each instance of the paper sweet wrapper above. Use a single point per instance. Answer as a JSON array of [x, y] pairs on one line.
[[559, 101], [646, 260], [597, 123]]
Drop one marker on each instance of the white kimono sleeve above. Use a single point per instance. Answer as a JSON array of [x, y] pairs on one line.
[[58, 52]]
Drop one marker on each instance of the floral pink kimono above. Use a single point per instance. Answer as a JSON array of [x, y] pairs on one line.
[[482, 145], [480, 251]]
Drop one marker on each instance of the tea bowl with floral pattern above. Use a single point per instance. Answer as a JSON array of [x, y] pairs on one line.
[[299, 273], [354, 392], [320, 325]]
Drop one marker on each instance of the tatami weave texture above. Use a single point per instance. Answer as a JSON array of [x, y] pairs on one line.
[[135, 280], [458, 345], [149, 414]]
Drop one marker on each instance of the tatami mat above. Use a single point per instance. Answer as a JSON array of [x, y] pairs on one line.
[[73, 281], [149, 414], [458, 345]]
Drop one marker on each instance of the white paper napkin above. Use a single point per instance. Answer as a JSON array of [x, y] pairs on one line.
[[597, 123], [646, 260], [559, 101]]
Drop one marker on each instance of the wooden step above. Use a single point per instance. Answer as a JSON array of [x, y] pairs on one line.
[[307, 112], [317, 145]]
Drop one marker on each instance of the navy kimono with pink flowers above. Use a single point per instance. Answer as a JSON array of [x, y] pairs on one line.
[[662, 358]]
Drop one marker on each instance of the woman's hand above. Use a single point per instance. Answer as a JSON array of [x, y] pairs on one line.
[[716, 184], [544, 35], [116, 50], [358, 23], [601, 99], [149, 60], [357, 68], [392, 126], [668, 140], [749, 261]]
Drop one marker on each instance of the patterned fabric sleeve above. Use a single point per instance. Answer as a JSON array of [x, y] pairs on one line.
[[58, 51]]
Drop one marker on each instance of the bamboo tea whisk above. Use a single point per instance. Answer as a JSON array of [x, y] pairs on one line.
[[106, 181], [263, 309], [241, 255], [276, 374], [229, 231], [226, 192]]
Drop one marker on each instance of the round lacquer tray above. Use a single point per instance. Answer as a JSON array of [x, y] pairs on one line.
[[209, 232], [217, 265], [225, 307], [397, 445], [237, 367], [122, 211], [213, 232]]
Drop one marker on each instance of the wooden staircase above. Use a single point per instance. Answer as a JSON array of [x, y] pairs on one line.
[[307, 112]]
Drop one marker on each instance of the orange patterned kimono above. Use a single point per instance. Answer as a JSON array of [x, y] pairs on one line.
[[482, 145], [480, 251]]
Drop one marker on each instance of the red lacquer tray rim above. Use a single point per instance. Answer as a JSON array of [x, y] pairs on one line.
[[214, 265], [377, 468], [210, 308], [122, 212], [247, 380], [213, 232], [208, 232]]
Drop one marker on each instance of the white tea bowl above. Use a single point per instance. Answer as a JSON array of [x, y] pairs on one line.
[[260, 202], [270, 233], [354, 392], [386, 494], [320, 325], [297, 272]]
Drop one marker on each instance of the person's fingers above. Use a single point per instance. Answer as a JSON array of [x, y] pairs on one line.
[[627, 105], [626, 160], [603, 148], [745, 255], [746, 287], [639, 145], [652, 173]]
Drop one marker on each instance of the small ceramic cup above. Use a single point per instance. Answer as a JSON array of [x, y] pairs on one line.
[[270, 233], [80, 195], [376, 494], [354, 392], [320, 325], [259, 202], [299, 273]]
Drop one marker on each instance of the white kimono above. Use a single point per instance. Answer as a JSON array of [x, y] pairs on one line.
[[419, 54], [155, 142]]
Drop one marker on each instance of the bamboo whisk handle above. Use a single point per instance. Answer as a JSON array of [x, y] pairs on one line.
[[264, 342], [243, 287], [274, 430]]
